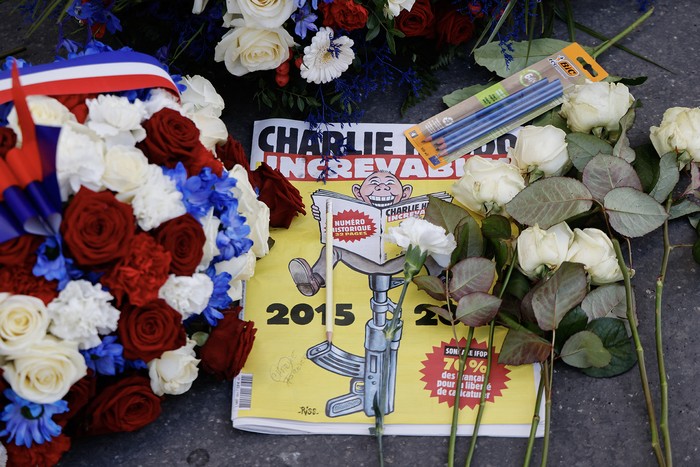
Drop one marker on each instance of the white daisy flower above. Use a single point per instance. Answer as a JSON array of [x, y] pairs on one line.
[[327, 57]]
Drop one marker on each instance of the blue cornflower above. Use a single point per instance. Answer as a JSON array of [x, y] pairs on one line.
[[27, 422], [304, 21], [52, 265], [107, 358]]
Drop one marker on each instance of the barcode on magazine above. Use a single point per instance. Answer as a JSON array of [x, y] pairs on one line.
[[244, 391]]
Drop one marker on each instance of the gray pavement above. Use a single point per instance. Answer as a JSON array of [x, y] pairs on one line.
[[595, 421]]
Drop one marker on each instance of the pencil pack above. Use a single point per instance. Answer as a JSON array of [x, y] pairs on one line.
[[502, 107]]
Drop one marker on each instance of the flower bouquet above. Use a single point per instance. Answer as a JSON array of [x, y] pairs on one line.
[[127, 227]]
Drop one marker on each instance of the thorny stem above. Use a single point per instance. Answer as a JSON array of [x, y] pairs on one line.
[[455, 408], [548, 372], [535, 420], [640, 356], [663, 380]]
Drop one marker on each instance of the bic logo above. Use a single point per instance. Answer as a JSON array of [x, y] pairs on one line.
[[565, 65]]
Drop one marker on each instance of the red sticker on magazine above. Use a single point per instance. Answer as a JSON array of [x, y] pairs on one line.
[[441, 368], [352, 225]]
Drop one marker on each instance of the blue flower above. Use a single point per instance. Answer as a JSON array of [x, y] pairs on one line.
[[27, 422], [137, 364], [304, 21], [52, 265], [219, 297], [107, 358]]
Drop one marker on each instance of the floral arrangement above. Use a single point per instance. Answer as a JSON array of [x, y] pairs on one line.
[[137, 291], [536, 245], [319, 59]]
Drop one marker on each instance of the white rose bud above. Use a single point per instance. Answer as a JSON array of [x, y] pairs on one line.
[[542, 250], [44, 372], [541, 148], [594, 249], [487, 185], [429, 238], [174, 371], [594, 106], [247, 48], [679, 131], [23, 321]]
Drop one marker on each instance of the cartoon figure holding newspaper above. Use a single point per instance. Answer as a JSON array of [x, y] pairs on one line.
[[380, 198]]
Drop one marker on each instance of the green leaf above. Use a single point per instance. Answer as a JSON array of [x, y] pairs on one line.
[[491, 55], [603, 173], [682, 208], [584, 350], [442, 312], [613, 335], [477, 309], [584, 147], [518, 285], [372, 33], [550, 201], [622, 146], [606, 299], [471, 275], [633, 213], [565, 289], [501, 252], [572, 322], [469, 240], [455, 97], [432, 285], [647, 166], [522, 347], [667, 179], [444, 214], [496, 227]]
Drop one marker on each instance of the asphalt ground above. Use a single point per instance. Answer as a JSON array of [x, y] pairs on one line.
[[594, 421]]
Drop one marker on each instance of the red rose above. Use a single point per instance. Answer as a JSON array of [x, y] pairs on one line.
[[140, 273], [203, 159], [283, 199], [148, 331], [97, 228], [8, 140], [19, 250], [76, 104], [20, 280], [343, 14], [125, 406], [78, 396], [418, 22], [232, 153], [173, 138], [184, 238], [228, 346], [454, 28], [46, 454]]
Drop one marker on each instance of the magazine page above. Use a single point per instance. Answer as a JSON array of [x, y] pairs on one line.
[[294, 381]]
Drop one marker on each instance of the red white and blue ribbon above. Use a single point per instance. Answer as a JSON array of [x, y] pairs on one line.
[[98, 73]]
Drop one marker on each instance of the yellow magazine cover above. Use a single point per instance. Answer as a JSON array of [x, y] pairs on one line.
[[294, 381]]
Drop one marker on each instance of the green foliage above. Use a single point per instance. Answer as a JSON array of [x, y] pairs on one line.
[[524, 53], [584, 350], [549, 201], [633, 213], [613, 335]]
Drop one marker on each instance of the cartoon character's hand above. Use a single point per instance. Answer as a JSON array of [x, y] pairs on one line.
[[316, 212]]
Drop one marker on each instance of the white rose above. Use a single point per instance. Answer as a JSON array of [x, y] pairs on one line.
[[594, 106], [679, 131], [44, 372], [23, 321], [212, 130], [45, 111], [79, 159], [487, 185], [541, 148], [393, 7], [542, 250], [268, 14], [188, 295], [593, 249], [126, 169], [200, 95], [157, 200], [429, 238], [245, 48], [116, 119], [174, 371], [210, 225], [81, 313], [240, 267], [256, 213], [198, 6]]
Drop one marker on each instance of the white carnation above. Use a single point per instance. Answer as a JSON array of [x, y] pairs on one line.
[[79, 159], [116, 119], [157, 200], [189, 295], [256, 212], [159, 99], [81, 313], [126, 169]]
